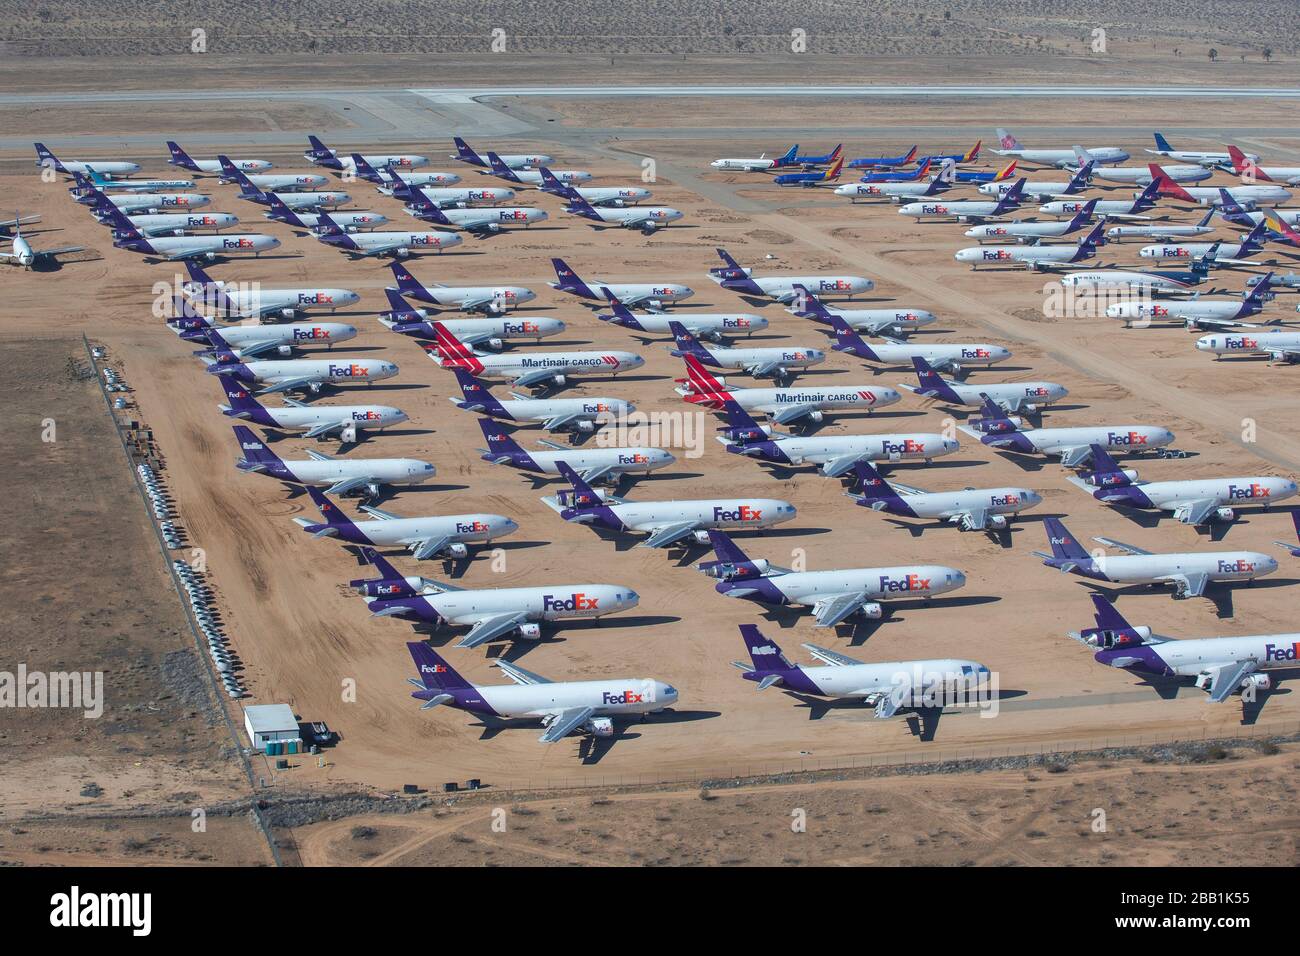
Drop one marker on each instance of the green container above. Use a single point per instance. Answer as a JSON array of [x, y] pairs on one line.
[[293, 746]]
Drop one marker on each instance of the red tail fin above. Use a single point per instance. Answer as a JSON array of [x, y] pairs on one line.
[[455, 353], [1166, 186], [700, 380]]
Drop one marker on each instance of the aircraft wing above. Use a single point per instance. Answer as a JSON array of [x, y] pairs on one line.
[[792, 413], [565, 723], [978, 518], [257, 348], [1189, 585], [887, 705], [324, 428], [1227, 678], [289, 384], [533, 378], [471, 305], [562, 421], [1128, 548], [593, 475], [827, 656], [490, 628], [379, 513], [59, 251], [474, 338], [668, 534], [20, 221], [832, 611], [763, 369], [838, 466], [519, 675], [350, 484], [317, 456], [1195, 512], [429, 547], [376, 250]]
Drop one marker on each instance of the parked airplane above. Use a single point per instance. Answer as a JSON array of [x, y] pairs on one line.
[[429, 537], [1188, 572], [1221, 665], [1033, 232], [1036, 257], [346, 422], [482, 221], [400, 244], [595, 465], [388, 176], [579, 415], [1248, 168], [812, 179], [539, 369], [272, 182], [895, 322], [759, 165], [617, 196], [971, 509], [494, 613], [181, 158], [181, 223], [1292, 548], [1116, 233], [491, 332], [107, 184], [298, 374], [1191, 156], [1207, 195], [651, 295], [835, 455], [322, 155], [952, 355], [1198, 313], [1011, 397], [1193, 502], [348, 220], [588, 707], [967, 210], [1141, 175], [1121, 209], [874, 162], [338, 476], [834, 596], [646, 218], [899, 176], [732, 276], [1105, 155], [22, 254], [1278, 346], [317, 199], [1074, 446], [888, 687], [112, 167], [126, 236], [899, 191], [490, 300], [1225, 253], [447, 198], [246, 341], [514, 161], [664, 523], [781, 405], [250, 300], [713, 326], [776, 363], [532, 177], [139, 202], [812, 162], [13, 224], [1040, 190], [971, 155], [1153, 282]]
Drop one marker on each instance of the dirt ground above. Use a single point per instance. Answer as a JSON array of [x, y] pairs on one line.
[[306, 638]]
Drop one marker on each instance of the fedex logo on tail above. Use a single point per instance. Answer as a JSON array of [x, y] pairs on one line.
[[313, 333], [911, 582], [575, 602], [1252, 490], [1239, 566], [1128, 438], [907, 446], [433, 669], [315, 298], [627, 697], [743, 513], [382, 589]]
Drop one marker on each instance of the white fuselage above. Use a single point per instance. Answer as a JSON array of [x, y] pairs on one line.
[[953, 209], [243, 165], [637, 216], [875, 680], [1021, 230], [361, 219], [312, 200], [782, 288], [779, 401], [153, 202], [1001, 255], [1260, 192], [1193, 657], [255, 302], [699, 323], [1187, 311], [553, 409], [499, 298], [515, 365], [793, 357], [1160, 568], [553, 603], [957, 355], [744, 165], [417, 180], [1279, 344], [223, 245], [906, 583], [873, 321], [152, 224], [1115, 438], [534, 178], [614, 461], [288, 182], [1016, 395], [1229, 492], [378, 243], [638, 293], [843, 450], [1140, 175], [720, 514], [1118, 278], [410, 532], [1101, 155], [381, 471], [485, 216], [335, 371], [481, 195], [610, 698], [1157, 232], [612, 195], [289, 335], [945, 505], [310, 417], [1105, 207]]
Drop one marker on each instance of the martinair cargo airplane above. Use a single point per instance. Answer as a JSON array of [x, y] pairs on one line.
[[337, 476], [1279, 346], [713, 326], [239, 300], [616, 196], [897, 322], [315, 421], [664, 522], [1012, 397], [429, 537], [760, 165], [1188, 572], [1074, 446], [834, 454], [1213, 195], [564, 707], [399, 244], [1221, 665], [781, 405], [776, 363], [490, 300], [112, 167], [956, 356], [513, 161], [182, 159], [532, 177], [971, 509], [783, 289], [595, 465], [1036, 257], [322, 155], [126, 236], [1192, 502], [538, 369], [275, 182], [310, 221], [581, 415], [1190, 156], [652, 295], [485, 333], [834, 596], [888, 687], [298, 374], [1105, 155], [1196, 313]]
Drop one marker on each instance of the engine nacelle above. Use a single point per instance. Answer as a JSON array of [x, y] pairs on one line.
[[284, 349], [287, 313], [1224, 514], [458, 550], [584, 425], [729, 571], [600, 727], [210, 256], [1107, 638], [700, 537], [814, 417], [616, 203], [560, 380], [872, 611], [568, 499], [743, 436], [530, 631], [998, 522], [348, 433], [495, 344], [1257, 681], [402, 252], [1104, 479]]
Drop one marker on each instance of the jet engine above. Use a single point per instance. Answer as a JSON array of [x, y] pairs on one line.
[[348, 433], [284, 349], [559, 381], [1107, 638], [530, 631], [402, 252], [1102, 478], [210, 256], [815, 417], [287, 313], [458, 550], [567, 498], [871, 611], [700, 537], [599, 727], [1257, 681], [1224, 514], [742, 435], [727, 571], [584, 425]]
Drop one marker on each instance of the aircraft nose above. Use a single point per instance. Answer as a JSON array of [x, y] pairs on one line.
[[1205, 343], [959, 580]]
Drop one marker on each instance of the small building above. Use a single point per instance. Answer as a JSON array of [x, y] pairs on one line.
[[272, 724]]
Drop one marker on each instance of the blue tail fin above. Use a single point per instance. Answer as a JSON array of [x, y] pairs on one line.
[[931, 382], [237, 397], [1162, 143], [741, 428], [726, 549], [1107, 615], [330, 512], [764, 653], [180, 157], [498, 439]]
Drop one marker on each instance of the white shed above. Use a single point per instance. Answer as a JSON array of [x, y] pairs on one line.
[[270, 722]]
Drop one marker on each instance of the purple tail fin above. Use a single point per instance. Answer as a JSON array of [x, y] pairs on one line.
[[180, 157], [435, 673], [581, 496], [764, 653], [330, 512], [568, 281], [1063, 544], [477, 393], [687, 343], [871, 487], [254, 450], [465, 153]]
